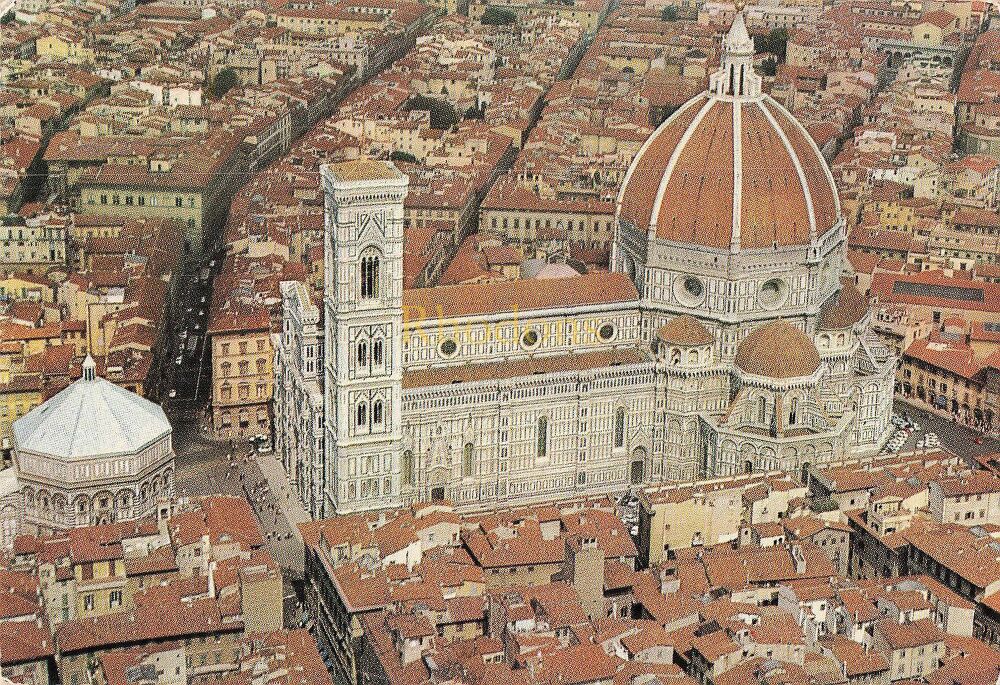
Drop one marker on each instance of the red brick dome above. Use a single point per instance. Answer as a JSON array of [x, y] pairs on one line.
[[732, 168], [777, 350]]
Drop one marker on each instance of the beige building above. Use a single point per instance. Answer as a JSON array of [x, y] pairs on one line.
[[35, 245], [914, 649], [242, 373], [709, 512]]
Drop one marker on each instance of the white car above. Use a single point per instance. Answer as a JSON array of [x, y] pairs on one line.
[[173, 393], [179, 360]]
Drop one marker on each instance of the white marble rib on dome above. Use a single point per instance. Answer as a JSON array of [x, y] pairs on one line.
[[91, 418]]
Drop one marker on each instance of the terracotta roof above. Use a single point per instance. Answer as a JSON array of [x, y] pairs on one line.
[[685, 330], [683, 181], [777, 350], [494, 371], [447, 302], [905, 635]]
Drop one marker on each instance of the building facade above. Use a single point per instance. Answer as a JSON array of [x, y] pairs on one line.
[[298, 395], [724, 340], [35, 244], [242, 373]]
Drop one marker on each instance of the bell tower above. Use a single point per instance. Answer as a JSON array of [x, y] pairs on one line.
[[363, 306]]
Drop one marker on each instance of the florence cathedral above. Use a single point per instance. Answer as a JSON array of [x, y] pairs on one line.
[[727, 338]]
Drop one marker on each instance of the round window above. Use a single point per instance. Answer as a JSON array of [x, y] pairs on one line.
[[448, 347], [772, 292], [689, 290], [529, 338], [606, 332], [693, 287]]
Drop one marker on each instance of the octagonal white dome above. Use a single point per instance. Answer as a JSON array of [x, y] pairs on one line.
[[92, 417]]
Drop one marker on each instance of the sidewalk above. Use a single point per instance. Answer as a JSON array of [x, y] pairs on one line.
[[288, 501]]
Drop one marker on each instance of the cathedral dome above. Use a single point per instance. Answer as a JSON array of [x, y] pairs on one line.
[[731, 169], [777, 350]]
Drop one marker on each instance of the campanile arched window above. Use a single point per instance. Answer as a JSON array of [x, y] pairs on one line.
[[370, 272], [543, 436]]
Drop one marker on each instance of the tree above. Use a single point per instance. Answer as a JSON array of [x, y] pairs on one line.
[[496, 16], [443, 115], [473, 113], [7, 18], [400, 156], [224, 81], [775, 42], [769, 67], [669, 13]]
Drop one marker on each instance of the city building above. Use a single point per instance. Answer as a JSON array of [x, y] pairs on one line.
[[94, 453], [242, 369], [724, 340]]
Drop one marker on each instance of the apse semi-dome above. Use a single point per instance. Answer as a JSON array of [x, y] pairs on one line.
[[732, 168], [777, 350]]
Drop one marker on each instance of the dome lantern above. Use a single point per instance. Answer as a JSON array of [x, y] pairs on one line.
[[736, 77]]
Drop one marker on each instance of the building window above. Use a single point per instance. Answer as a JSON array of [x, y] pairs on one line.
[[408, 475], [362, 354], [620, 427], [793, 413], [362, 414], [377, 353], [369, 276], [543, 436], [377, 412], [761, 410], [467, 459], [88, 602]]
